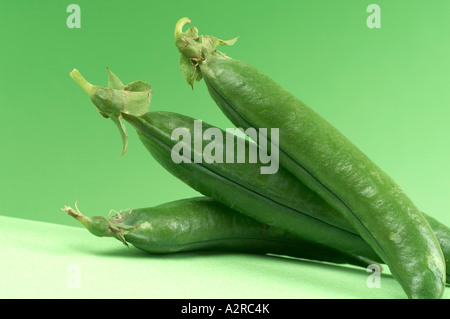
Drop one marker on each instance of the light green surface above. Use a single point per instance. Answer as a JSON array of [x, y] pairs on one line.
[[38, 258]]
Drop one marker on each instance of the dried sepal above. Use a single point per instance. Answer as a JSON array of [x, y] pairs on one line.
[[116, 99], [195, 49]]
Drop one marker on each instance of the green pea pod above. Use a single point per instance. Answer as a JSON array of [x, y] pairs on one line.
[[201, 223], [328, 163]]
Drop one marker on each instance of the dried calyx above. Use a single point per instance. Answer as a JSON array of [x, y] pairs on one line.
[[116, 99], [102, 227], [195, 49]]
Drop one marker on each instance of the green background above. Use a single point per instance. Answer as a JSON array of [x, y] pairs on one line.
[[387, 89]]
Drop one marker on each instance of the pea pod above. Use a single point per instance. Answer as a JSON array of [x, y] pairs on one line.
[[324, 160], [201, 223]]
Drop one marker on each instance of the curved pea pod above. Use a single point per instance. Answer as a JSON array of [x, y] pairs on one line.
[[270, 199], [323, 159], [201, 223]]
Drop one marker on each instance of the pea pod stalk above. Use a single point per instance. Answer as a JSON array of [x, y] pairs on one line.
[[323, 159], [116, 99]]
